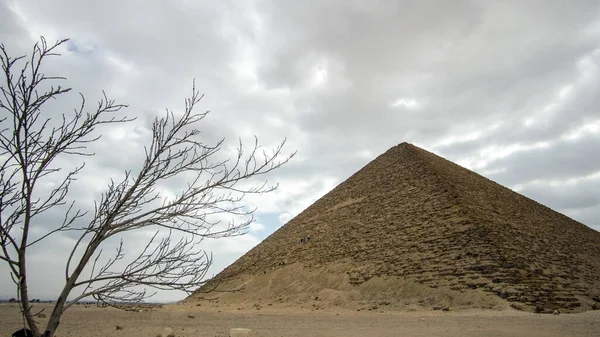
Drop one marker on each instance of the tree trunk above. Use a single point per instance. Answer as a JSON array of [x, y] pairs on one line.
[[54, 320], [25, 306]]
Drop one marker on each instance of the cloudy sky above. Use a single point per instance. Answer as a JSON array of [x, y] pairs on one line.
[[509, 89]]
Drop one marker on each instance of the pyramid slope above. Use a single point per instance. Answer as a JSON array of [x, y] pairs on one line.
[[413, 215]]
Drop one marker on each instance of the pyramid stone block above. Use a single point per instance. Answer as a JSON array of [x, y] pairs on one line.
[[413, 215]]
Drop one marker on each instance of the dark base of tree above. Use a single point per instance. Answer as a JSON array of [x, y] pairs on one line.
[[22, 333]]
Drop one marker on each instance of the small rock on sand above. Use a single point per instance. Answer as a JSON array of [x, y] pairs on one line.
[[167, 332], [240, 332]]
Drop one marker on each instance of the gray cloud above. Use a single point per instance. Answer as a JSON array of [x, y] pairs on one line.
[[509, 89], [558, 162]]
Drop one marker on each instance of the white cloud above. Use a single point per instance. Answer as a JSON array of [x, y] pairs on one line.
[[584, 130], [408, 103]]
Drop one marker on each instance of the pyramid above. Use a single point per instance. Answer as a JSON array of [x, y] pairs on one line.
[[412, 217]]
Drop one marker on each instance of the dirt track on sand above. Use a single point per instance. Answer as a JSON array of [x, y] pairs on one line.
[[187, 321]]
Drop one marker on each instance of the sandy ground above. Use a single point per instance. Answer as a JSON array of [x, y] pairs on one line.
[[188, 320]]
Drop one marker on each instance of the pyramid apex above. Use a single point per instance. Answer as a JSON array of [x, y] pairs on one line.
[[407, 146], [401, 148]]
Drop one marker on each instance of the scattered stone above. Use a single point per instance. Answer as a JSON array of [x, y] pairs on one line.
[[239, 332], [191, 316], [539, 309], [516, 306], [167, 332], [119, 327]]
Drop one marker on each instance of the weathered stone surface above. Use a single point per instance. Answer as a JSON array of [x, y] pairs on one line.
[[412, 214]]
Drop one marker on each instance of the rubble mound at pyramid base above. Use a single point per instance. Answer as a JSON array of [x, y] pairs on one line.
[[332, 286], [297, 286]]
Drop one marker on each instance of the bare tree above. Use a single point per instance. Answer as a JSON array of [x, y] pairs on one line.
[[31, 141]]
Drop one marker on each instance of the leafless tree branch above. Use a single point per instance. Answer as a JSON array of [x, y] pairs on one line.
[[172, 259]]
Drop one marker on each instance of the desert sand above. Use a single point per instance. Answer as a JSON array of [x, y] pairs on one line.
[[188, 320]]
